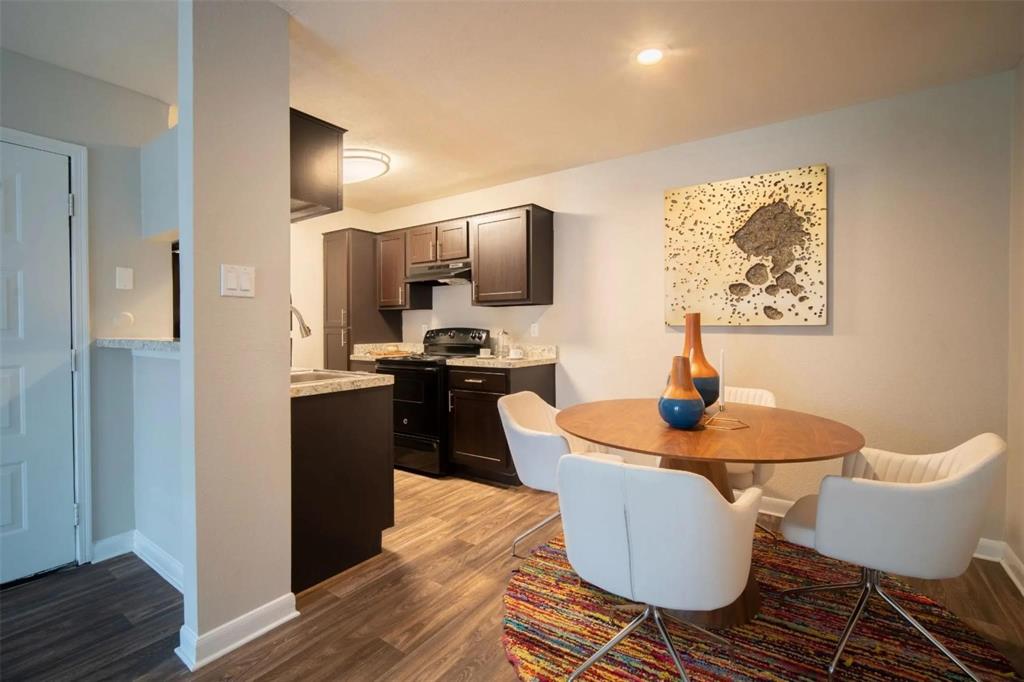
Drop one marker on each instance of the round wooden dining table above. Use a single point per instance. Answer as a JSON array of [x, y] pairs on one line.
[[740, 433]]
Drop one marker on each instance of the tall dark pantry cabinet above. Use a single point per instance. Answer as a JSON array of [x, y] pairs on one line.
[[351, 314]]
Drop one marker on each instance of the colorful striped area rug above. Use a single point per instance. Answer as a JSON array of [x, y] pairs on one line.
[[554, 621]]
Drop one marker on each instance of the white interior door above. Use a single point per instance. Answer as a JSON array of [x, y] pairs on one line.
[[37, 489]]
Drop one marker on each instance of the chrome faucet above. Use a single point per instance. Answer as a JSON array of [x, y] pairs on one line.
[[304, 329]]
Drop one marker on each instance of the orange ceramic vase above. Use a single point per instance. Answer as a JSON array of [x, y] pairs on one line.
[[681, 405], [705, 377]]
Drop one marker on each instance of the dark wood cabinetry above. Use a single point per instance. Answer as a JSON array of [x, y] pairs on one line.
[[477, 444], [453, 240], [422, 242], [392, 291], [513, 256], [351, 314], [316, 168], [342, 481]]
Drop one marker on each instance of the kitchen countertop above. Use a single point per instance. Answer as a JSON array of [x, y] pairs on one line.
[[141, 344], [352, 381], [533, 355], [504, 363]]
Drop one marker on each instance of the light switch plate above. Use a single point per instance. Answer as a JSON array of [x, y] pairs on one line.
[[124, 278], [238, 280], [535, 329]]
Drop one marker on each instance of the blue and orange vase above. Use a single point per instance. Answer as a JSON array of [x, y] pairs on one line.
[[705, 377], [681, 405]]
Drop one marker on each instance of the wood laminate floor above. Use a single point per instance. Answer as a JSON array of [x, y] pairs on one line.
[[428, 608]]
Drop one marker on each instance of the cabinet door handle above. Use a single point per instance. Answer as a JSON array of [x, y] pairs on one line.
[[343, 317], [431, 250], [401, 291], [475, 295], [473, 381], [440, 251], [343, 338], [451, 406]]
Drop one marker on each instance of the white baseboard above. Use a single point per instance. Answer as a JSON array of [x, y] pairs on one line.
[[988, 549], [196, 652], [1014, 567], [115, 545], [169, 568]]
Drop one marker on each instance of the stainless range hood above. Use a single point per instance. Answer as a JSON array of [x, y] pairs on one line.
[[439, 273]]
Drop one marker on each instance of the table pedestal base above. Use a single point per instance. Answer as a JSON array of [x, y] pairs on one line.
[[747, 605]]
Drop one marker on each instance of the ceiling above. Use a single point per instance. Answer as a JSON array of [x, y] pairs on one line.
[[465, 95], [131, 43]]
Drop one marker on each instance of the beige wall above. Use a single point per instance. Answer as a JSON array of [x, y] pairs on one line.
[[915, 352], [236, 424], [307, 279], [1015, 487], [112, 123]]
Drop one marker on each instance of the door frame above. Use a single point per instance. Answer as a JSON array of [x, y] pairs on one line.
[[80, 333]]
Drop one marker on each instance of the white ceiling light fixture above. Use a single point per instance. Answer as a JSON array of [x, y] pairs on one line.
[[364, 164], [649, 56]]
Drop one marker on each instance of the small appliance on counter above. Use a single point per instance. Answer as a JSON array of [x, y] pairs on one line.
[[420, 396]]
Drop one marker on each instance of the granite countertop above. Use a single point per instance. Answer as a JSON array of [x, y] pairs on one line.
[[346, 381], [504, 363], [371, 352], [168, 345]]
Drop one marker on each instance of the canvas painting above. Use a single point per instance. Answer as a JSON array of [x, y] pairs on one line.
[[749, 251]]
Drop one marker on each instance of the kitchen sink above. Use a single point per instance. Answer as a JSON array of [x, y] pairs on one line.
[[309, 375]]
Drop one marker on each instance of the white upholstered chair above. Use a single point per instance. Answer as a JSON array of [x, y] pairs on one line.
[[743, 475], [536, 444], [664, 538], [912, 515]]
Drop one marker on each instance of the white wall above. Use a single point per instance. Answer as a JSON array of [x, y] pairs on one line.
[[1015, 487], [157, 448], [307, 279], [915, 352], [236, 421], [112, 123]]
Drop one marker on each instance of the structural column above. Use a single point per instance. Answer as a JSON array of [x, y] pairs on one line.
[[234, 210]]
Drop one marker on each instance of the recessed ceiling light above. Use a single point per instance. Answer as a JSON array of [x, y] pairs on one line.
[[364, 164], [649, 56]]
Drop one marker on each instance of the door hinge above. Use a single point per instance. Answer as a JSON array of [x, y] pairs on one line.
[[71, 205], [76, 514], [74, 360]]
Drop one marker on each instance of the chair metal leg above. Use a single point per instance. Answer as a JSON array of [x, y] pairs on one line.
[[837, 587], [920, 628], [766, 529], [531, 530], [660, 622], [718, 639], [862, 604], [621, 635]]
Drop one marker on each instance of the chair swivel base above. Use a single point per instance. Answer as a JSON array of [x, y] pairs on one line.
[[529, 531], [871, 582], [659, 621]]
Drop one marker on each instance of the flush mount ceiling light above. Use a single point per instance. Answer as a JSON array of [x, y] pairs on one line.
[[364, 164], [649, 56]]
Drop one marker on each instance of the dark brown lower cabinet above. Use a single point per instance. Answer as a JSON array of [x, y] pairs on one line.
[[477, 444], [343, 486]]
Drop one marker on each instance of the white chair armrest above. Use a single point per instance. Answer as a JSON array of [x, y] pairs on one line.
[[882, 465], [540, 469], [907, 529]]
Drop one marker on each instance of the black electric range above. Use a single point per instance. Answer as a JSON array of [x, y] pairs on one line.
[[421, 396]]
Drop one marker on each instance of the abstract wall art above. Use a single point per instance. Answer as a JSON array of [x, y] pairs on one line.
[[749, 251]]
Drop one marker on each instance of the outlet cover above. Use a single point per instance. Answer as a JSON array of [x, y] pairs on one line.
[[535, 329], [124, 278]]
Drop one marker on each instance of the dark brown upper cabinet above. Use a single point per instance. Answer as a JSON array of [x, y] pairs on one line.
[[392, 291], [351, 314], [439, 243], [513, 254], [422, 245], [316, 166], [453, 240]]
